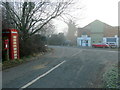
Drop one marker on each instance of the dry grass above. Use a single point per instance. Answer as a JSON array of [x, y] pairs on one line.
[[13, 63]]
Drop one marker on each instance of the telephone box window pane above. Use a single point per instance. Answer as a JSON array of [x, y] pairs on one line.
[[15, 55], [14, 40], [15, 48], [14, 36], [14, 43], [15, 51]]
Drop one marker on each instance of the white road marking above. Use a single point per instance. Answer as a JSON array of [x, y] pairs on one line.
[[33, 81], [76, 53]]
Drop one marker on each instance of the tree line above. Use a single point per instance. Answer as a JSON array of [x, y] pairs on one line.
[[34, 22]]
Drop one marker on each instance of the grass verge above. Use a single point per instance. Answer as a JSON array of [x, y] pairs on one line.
[[111, 77], [16, 62]]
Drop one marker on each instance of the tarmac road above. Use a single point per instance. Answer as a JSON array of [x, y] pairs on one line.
[[65, 67]]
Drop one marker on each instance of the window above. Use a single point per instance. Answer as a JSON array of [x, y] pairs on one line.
[[111, 39], [14, 36], [14, 45], [84, 33], [14, 40]]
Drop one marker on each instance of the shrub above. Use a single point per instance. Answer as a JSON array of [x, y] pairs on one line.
[[35, 44], [111, 78]]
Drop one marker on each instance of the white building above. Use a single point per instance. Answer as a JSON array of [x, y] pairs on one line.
[[84, 40], [111, 40], [97, 32]]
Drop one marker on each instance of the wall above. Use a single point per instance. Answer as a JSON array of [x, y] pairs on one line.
[[97, 29]]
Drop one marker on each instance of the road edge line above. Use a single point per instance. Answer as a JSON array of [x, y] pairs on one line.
[[77, 53], [33, 81]]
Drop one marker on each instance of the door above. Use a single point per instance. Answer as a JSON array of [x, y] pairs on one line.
[[83, 43], [86, 42]]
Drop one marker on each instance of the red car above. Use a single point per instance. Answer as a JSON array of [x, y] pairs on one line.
[[102, 45]]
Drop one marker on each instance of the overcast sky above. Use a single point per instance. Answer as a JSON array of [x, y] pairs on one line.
[[103, 10]]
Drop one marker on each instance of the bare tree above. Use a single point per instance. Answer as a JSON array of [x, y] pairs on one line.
[[71, 34], [6, 20], [48, 29], [31, 17]]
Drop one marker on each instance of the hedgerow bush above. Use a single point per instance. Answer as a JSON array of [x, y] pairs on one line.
[[111, 77], [35, 44]]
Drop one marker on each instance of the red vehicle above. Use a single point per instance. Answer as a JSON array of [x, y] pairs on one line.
[[102, 45]]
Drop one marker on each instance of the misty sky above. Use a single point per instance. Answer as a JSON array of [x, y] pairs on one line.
[[103, 10]]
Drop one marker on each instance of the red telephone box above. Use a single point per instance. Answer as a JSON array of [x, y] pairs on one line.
[[13, 45]]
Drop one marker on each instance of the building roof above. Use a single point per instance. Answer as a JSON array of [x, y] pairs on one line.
[[108, 30], [95, 21], [82, 31]]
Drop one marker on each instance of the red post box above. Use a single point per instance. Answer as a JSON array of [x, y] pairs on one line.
[[13, 46], [6, 43]]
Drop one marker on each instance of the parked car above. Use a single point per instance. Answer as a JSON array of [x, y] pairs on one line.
[[112, 45], [102, 45]]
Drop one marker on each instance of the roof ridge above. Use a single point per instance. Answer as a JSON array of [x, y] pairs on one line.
[[96, 21]]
